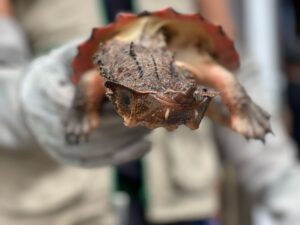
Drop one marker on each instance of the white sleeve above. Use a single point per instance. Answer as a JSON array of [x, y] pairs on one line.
[[46, 94], [14, 55], [35, 97]]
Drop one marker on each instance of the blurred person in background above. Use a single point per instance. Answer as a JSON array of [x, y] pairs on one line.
[[269, 172], [35, 187]]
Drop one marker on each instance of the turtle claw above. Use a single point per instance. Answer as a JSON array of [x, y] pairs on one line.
[[79, 125], [263, 140], [271, 132], [72, 139], [251, 121]]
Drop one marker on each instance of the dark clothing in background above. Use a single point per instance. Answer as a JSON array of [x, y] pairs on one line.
[[297, 16], [130, 180], [293, 96], [204, 222], [289, 21], [114, 6]]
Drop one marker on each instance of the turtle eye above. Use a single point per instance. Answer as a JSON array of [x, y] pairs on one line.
[[125, 98]]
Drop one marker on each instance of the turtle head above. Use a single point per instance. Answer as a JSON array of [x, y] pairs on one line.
[[155, 109]]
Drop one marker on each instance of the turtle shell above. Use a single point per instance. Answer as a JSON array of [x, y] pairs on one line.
[[138, 55], [185, 34], [146, 70]]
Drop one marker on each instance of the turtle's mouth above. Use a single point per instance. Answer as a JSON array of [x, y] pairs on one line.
[[154, 110], [171, 102], [191, 104]]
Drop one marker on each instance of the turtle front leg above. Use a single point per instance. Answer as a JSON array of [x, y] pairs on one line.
[[246, 117], [83, 116]]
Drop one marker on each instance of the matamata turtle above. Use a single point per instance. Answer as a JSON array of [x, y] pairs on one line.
[[161, 69]]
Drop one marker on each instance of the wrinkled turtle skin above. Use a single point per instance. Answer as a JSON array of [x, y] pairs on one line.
[[162, 69]]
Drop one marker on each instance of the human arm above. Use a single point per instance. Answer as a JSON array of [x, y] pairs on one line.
[[34, 100], [46, 95]]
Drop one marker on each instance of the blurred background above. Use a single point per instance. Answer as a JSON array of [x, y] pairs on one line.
[[209, 176]]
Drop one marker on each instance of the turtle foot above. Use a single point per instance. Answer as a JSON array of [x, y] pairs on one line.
[[251, 120], [79, 125]]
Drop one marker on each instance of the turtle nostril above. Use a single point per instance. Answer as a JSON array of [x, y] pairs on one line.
[[126, 100]]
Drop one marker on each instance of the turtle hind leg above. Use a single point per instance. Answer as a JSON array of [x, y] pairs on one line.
[[83, 116]]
